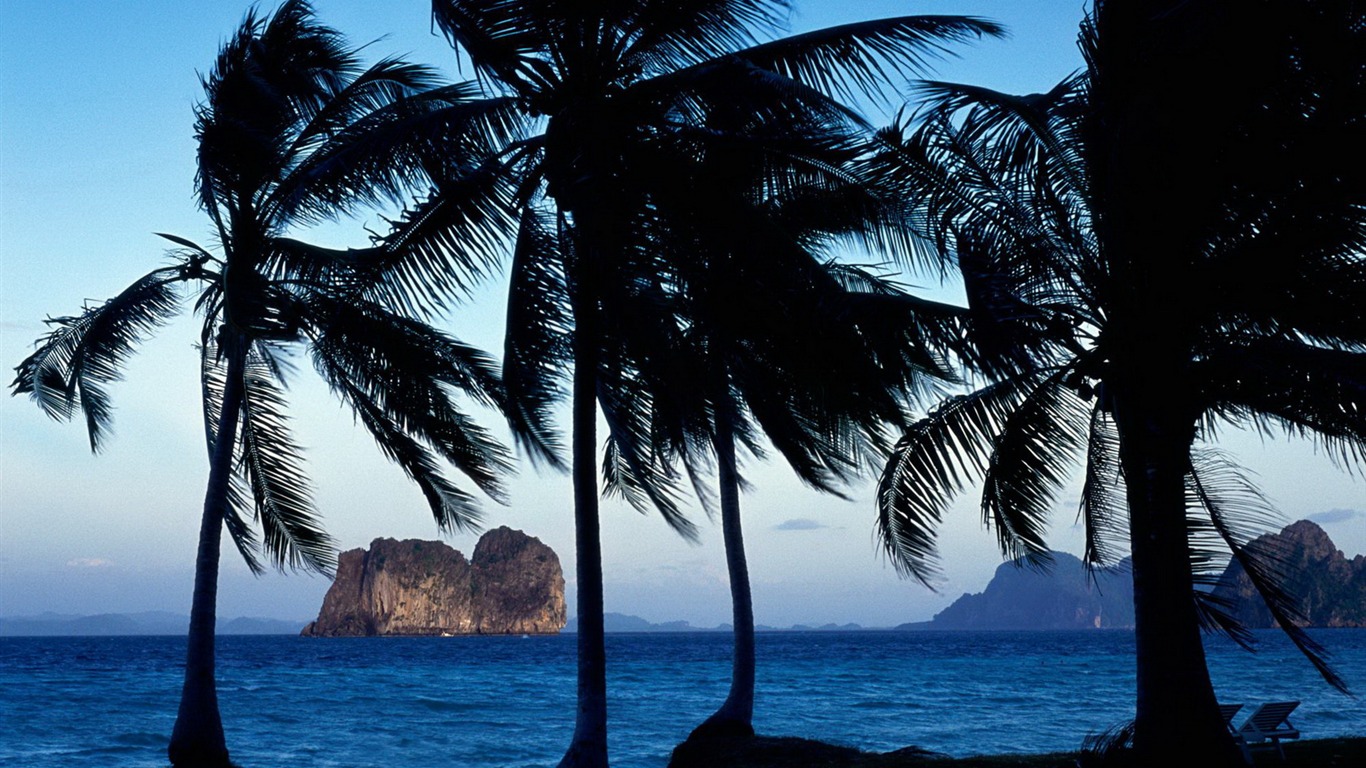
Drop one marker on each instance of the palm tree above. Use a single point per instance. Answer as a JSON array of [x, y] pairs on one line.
[[780, 340], [293, 130], [623, 90], [1106, 232]]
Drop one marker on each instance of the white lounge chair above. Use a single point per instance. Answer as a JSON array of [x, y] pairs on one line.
[[1268, 723]]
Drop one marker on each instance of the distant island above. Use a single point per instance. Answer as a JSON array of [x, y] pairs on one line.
[[1329, 589], [626, 623], [511, 585], [1024, 597], [144, 623]]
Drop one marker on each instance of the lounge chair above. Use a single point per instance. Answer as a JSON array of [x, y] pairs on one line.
[[1227, 711], [1269, 722]]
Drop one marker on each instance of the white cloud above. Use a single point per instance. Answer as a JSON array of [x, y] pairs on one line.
[[1337, 516], [89, 562], [800, 524]]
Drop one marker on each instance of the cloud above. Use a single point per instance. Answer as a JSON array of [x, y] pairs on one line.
[[1337, 515], [800, 524], [684, 566], [27, 328], [89, 562]]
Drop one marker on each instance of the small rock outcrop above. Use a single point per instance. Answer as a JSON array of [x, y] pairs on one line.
[[1329, 590], [512, 585], [1064, 596]]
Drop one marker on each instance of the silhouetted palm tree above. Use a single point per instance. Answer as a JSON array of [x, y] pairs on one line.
[[779, 340], [293, 130], [623, 88], [1169, 241]]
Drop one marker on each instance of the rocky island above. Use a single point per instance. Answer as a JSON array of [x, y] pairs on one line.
[[1328, 589], [1063, 596], [511, 585]]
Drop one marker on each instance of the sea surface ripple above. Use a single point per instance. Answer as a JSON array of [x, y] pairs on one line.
[[83, 702]]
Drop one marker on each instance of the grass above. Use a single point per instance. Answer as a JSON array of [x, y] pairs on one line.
[[789, 752]]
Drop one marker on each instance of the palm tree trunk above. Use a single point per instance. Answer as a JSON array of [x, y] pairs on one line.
[[588, 748], [736, 715], [1140, 129], [197, 739], [1177, 717]]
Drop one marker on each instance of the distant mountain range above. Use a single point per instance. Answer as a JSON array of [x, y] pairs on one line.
[[621, 622], [165, 623], [146, 623]]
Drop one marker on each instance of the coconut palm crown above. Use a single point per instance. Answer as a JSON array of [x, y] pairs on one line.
[[1164, 244], [293, 130]]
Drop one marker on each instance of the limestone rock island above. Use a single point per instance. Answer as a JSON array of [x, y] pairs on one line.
[[512, 585], [1327, 588]]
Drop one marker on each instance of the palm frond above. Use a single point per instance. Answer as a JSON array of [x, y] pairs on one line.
[[432, 256], [1304, 390], [536, 344], [667, 35], [644, 482], [862, 58], [501, 38], [732, 102], [1031, 458], [1103, 510], [271, 462], [196, 254], [697, 467], [237, 517], [857, 217], [452, 508], [272, 77], [808, 361], [75, 361], [635, 466], [937, 458], [238, 511], [1006, 329], [1311, 298], [1005, 170], [407, 373], [380, 86], [1235, 506], [1018, 134], [821, 407], [908, 336], [398, 376], [427, 138]]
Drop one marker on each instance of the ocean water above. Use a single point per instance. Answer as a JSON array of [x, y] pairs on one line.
[[509, 701]]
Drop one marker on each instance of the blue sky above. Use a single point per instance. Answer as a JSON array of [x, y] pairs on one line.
[[97, 154]]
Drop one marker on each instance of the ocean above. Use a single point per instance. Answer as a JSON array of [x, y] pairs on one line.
[[72, 702]]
